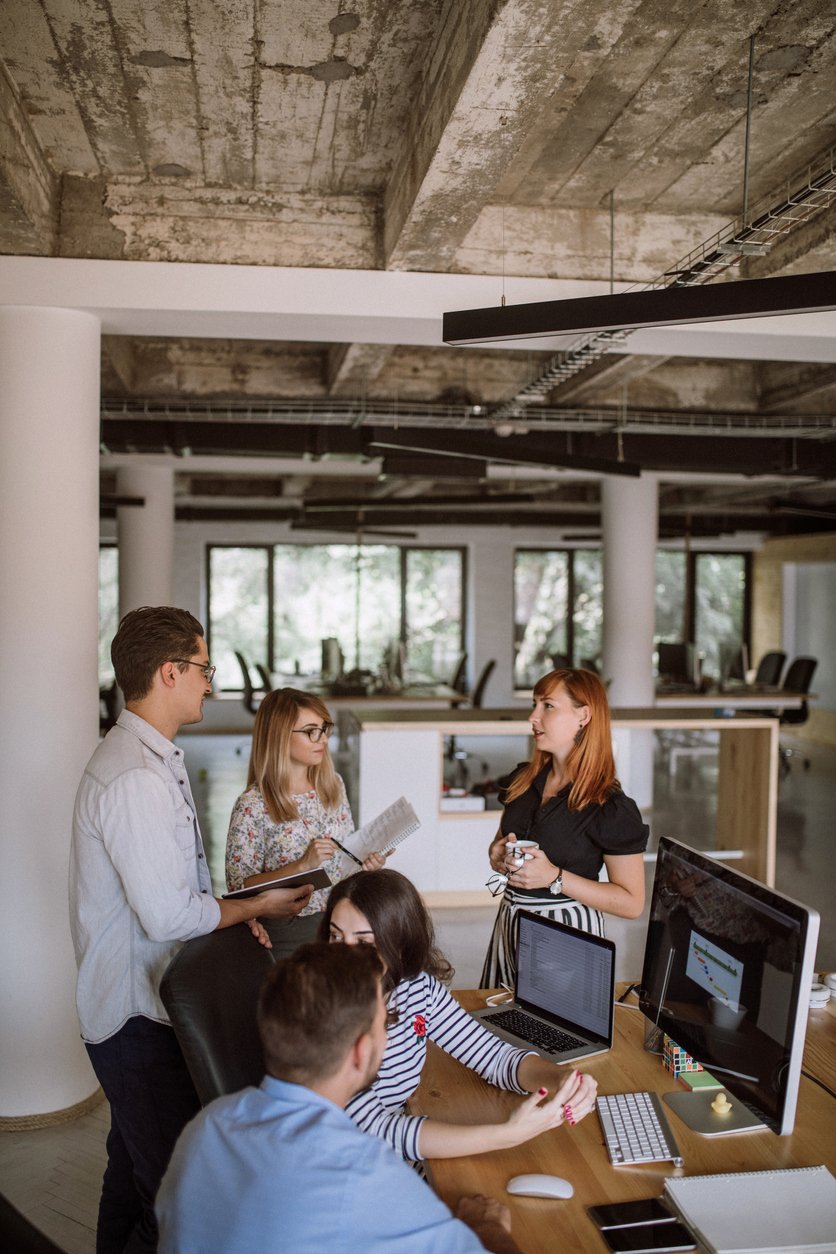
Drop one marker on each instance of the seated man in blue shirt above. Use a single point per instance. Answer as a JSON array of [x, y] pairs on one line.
[[283, 1167]]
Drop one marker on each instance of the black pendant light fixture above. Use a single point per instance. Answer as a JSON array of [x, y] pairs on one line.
[[661, 307]]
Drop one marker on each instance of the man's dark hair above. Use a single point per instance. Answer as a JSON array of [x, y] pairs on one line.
[[314, 1005], [146, 638]]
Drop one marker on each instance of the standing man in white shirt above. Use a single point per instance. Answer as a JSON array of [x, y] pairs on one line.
[[139, 886]]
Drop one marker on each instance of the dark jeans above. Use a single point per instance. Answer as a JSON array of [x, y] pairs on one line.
[[152, 1098]]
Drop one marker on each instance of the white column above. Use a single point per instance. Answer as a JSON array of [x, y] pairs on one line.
[[629, 517], [146, 536], [49, 534]]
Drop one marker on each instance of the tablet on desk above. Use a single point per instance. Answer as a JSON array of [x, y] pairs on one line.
[[318, 877]]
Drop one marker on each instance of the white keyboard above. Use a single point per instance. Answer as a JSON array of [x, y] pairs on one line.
[[636, 1129]]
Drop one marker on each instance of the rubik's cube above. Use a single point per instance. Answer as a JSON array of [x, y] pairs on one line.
[[677, 1060]]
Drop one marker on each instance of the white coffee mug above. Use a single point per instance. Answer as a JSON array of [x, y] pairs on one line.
[[519, 851]]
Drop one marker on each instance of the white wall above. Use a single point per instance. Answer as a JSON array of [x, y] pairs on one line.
[[809, 615]]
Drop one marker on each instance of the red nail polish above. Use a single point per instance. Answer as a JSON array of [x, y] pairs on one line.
[[542, 1092]]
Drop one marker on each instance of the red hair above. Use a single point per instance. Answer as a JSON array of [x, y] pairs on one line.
[[590, 765]]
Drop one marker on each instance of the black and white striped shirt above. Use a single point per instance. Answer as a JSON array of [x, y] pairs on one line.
[[427, 1011]]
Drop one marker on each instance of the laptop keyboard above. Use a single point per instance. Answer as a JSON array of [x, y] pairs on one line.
[[636, 1129], [550, 1040]]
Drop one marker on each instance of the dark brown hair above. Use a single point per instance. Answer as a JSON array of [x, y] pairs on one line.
[[402, 927], [146, 638], [270, 754], [314, 1005], [591, 764]]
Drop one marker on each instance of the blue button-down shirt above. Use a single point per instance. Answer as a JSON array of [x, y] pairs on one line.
[[139, 883], [283, 1168]]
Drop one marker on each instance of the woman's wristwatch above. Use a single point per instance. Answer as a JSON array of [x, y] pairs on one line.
[[556, 886]]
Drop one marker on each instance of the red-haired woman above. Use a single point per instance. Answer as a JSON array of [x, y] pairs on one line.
[[569, 801]]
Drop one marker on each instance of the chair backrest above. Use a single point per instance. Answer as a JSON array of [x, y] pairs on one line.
[[264, 676], [561, 662], [247, 684], [799, 674], [770, 667], [459, 681], [482, 683], [210, 990]]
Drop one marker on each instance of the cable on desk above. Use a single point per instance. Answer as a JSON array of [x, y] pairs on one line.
[[820, 1083]]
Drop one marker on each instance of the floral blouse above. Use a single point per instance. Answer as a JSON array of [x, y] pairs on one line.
[[255, 843]]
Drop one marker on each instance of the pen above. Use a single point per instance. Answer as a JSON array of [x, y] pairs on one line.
[[347, 852]]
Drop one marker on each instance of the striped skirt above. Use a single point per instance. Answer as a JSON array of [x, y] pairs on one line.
[[500, 960]]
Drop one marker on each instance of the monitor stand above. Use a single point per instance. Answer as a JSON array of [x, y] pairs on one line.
[[699, 1112]]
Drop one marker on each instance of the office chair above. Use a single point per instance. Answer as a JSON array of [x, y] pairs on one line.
[[108, 708], [768, 674], [459, 681], [561, 662], [481, 684], [210, 990], [264, 676], [250, 692], [798, 678]]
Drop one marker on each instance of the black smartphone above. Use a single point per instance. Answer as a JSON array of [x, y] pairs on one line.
[[626, 1214], [649, 1238]]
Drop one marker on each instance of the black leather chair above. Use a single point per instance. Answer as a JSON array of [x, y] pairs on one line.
[[210, 990], [481, 684], [264, 676], [798, 679], [768, 674], [561, 662], [459, 680], [251, 693], [108, 708]]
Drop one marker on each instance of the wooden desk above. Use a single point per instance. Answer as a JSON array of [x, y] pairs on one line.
[[452, 1092], [737, 699]]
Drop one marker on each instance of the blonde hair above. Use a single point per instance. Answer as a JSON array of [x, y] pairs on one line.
[[590, 765], [270, 766]]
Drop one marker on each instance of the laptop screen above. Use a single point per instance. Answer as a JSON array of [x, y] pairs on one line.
[[562, 971]]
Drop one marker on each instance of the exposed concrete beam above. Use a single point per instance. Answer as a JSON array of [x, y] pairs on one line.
[[28, 186], [353, 369], [576, 242], [786, 388], [604, 376], [124, 220], [493, 70]]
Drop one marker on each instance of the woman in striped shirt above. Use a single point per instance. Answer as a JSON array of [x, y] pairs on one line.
[[568, 801], [383, 908]]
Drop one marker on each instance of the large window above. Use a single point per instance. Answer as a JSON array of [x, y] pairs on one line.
[[703, 598], [558, 606], [557, 609], [276, 604]]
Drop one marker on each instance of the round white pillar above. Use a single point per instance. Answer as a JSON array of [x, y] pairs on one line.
[[49, 538], [629, 517], [146, 536]]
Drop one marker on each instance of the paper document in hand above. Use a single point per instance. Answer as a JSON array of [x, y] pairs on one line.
[[380, 835]]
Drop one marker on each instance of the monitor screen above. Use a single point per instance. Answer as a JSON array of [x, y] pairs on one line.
[[676, 662], [728, 966]]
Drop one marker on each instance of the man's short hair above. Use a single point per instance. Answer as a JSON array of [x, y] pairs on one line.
[[146, 638], [313, 1007]]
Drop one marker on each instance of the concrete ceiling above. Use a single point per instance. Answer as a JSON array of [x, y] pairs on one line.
[[570, 140]]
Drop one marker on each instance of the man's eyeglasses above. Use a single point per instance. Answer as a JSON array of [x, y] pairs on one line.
[[206, 667], [314, 732]]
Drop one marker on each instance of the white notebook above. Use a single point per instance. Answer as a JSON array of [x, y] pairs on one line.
[[792, 1211], [380, 835]]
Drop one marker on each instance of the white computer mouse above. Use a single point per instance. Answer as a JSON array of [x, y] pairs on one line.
[[540, 1186]]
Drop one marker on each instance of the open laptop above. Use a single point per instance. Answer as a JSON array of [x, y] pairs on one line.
[[563, 997]]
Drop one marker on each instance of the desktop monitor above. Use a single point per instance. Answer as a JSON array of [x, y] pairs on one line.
[[677, 662], [728, 967]]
